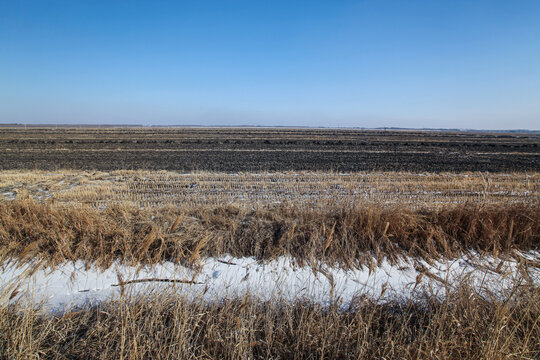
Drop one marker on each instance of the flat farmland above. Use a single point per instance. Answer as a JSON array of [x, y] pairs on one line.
[[260, 149], [240, 243]]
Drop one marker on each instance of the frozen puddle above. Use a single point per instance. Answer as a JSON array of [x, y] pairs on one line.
[[71, 284]]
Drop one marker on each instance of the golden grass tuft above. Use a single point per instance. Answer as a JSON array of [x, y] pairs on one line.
[[464, 326], [349, 236]]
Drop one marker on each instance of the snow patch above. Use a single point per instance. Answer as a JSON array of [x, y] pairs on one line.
[[76, 284]]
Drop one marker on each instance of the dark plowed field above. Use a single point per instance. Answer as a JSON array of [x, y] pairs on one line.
[[233, 150]]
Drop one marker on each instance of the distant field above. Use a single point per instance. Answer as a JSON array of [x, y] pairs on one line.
[[246, 149]]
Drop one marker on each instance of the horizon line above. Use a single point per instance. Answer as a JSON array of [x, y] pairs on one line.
[[105, 125]]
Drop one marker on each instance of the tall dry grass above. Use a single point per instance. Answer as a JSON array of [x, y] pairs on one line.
[[349, 236], [168, 327]]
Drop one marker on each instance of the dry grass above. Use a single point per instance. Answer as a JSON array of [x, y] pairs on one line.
[[167, 327], [140, 217], [349, 236]]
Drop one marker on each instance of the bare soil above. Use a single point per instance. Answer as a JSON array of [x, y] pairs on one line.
[[247, 149]]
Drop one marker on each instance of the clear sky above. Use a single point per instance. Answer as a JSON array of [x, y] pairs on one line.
[[371, 63]]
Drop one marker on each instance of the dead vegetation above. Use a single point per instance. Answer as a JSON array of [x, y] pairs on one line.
[[167, 327], [350, 236], [314, 189], [350, 220]]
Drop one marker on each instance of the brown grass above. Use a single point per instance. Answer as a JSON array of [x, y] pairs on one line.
[[139, 217], [346, 235], [167, 327]]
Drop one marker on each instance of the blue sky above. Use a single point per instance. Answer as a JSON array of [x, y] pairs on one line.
[[371, 63]]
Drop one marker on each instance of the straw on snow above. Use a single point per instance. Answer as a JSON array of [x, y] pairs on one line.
[[75, 284]]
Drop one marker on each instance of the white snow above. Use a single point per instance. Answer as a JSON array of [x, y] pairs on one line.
[[73, 284], [8, 195]]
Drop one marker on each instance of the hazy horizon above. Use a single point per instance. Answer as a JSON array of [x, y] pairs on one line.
[[370, 64]]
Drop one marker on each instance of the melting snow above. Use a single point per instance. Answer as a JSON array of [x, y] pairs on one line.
[[73, 284]]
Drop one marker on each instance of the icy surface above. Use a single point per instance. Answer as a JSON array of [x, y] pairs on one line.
[[75, 284]]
